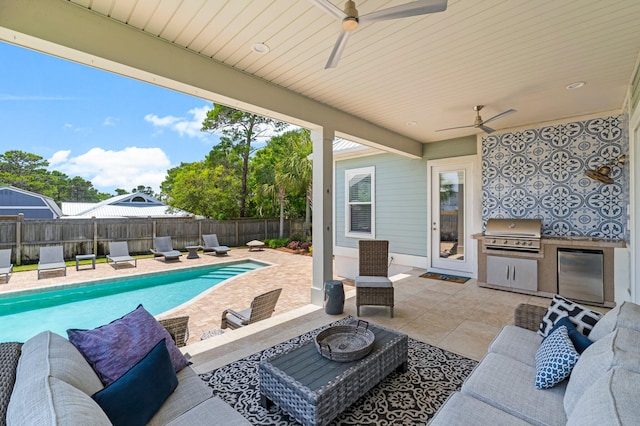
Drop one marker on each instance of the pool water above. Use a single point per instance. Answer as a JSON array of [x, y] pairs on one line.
[[89, 305]]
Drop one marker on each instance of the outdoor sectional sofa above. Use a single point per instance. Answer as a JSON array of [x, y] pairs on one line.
[[603, 388], [50, 382]]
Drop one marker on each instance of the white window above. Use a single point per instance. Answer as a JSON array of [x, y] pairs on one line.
[[360, 202]]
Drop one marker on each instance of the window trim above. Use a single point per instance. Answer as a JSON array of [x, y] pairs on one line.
[[348, 174]]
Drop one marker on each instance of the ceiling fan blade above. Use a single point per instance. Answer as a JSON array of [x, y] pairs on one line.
[[486, 129], [502, 114], [329, 8], [415, 8], [453, 128], [338, 48]]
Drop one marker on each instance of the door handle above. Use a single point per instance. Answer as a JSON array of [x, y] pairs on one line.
[[507, 272], [514, 273]]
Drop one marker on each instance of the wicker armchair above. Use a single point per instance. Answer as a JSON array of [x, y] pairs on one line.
[[529, 316], [261, 308], [373, 286], [178, 328]]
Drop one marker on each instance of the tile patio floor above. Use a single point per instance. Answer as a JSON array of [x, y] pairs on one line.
[[462, 318]]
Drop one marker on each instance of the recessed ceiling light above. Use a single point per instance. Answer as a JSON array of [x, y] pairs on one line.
[[576, 85], [260, 48], [411, 123]]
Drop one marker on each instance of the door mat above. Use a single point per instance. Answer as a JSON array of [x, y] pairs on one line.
[[410, 398], [445, 277]]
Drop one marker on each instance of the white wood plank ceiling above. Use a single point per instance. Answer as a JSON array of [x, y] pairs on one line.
[[430, 70]]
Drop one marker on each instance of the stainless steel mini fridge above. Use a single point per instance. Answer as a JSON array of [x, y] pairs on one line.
[[581, 275]]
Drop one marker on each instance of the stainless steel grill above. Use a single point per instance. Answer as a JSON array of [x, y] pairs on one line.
[[513, 234]]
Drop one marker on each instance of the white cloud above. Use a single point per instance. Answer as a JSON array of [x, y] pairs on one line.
[[59, 157], [125, 169], [110, 121], [184, 126]]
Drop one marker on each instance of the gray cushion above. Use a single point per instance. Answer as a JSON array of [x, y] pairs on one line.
[[364, 281], [509, 385], [212, 411], [53, 376], [191, 391], [612, 399], [626, 315], [621, 348], [235, 321], [461, 409], [517, 343], [46, 400]]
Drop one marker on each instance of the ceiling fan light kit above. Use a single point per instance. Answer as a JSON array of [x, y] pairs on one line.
[[351, 19]]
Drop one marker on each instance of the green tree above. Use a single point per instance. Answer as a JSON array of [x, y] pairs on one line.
[[24, 170], [284, 169], [29, 171], [201, 189], [120, 191], [144, 189], [240, 129]]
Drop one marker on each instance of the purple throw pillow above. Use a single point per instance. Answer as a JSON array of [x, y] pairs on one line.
[[114, 348]]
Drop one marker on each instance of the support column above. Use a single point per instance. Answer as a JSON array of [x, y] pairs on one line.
[[322, 232]]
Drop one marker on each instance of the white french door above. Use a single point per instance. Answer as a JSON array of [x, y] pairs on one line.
[[451, 216]]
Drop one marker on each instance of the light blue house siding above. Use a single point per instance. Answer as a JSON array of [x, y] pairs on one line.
[[401, 204]]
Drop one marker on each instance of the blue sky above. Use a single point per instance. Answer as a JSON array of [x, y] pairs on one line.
[[111, 130]]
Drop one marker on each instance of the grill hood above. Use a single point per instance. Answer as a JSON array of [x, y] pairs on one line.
[[523, 228]]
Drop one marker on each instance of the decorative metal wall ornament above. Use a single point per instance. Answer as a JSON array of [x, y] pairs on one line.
[[602, 173]]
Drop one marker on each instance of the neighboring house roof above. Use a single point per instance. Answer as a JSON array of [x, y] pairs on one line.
[[343, 148], [14, 201], [137, 204]]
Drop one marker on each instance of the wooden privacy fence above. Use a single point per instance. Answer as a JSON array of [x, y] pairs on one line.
[[84, 236]]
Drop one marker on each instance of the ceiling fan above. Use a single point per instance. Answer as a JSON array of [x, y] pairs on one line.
[[479, 123], [351, 19]]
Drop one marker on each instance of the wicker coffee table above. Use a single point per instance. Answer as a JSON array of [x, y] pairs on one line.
[[315, 390]]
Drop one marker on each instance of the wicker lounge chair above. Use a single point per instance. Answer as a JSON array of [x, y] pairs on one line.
[[261, 308], [211, 244], [164, 248], [373, 286], [5, 264], [119, 252], [178, 328], [51, 258]]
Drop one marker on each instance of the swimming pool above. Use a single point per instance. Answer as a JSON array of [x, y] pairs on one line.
[[88, 305]]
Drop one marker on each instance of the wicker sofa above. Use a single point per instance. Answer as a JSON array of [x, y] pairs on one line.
[[603, 388], [54, 384]]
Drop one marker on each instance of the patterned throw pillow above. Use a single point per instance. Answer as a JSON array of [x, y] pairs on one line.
[[579, 340], [114, 348], [555, 359], [583, 318]]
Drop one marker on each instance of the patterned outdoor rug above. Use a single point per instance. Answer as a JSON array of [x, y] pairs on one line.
[[409, 398], [445, 277]]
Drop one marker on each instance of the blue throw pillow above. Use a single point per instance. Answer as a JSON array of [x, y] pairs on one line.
[[579, 340], [555, 359], [137, 395]]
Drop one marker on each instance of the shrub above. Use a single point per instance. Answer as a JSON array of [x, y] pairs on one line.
[[305, 245], [299, 245], [277, 242]]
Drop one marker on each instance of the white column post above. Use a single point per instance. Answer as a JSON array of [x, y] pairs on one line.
[[322, 232]]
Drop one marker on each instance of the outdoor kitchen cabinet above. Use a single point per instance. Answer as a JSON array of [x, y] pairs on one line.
[[521, 274]]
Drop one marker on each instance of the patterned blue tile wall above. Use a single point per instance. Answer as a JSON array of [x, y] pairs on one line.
[[539, 173]]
